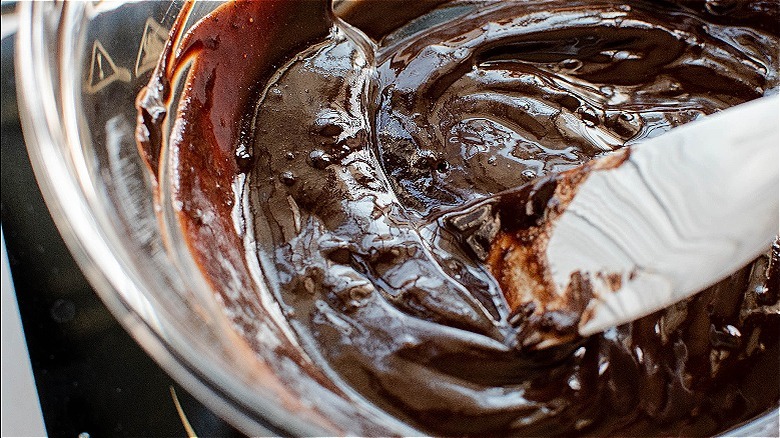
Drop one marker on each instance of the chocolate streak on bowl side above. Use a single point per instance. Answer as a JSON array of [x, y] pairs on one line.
[[359, 161], [229, 54]]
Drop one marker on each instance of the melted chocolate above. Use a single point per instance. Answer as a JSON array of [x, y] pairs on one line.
[[359, 156]]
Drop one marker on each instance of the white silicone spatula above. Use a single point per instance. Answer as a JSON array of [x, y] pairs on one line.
[[685, 210]]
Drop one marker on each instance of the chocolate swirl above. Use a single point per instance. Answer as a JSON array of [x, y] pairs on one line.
[[485, 100], [358, 149]]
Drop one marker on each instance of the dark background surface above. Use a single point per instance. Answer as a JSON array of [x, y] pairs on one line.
[[91, 376]]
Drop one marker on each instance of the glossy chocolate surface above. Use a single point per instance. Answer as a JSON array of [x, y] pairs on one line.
[[345, 159]]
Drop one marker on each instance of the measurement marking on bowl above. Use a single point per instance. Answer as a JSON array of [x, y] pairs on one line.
[[152, 44], [104, 70]]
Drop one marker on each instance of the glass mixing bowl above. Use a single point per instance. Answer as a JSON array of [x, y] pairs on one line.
[[80, 67]]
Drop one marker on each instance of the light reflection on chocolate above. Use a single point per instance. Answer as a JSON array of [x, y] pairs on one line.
[[354, 157]]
